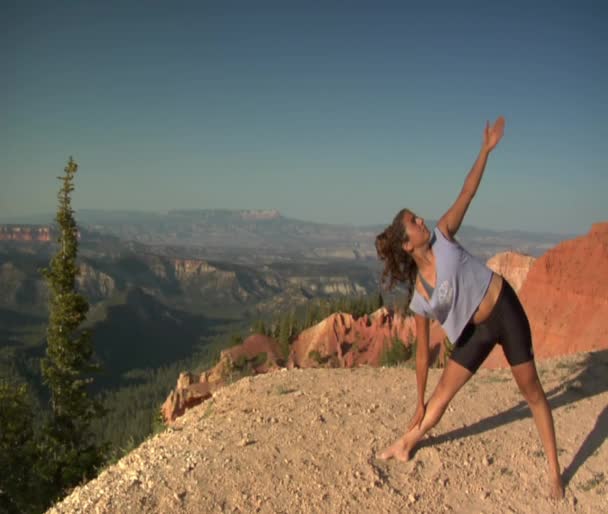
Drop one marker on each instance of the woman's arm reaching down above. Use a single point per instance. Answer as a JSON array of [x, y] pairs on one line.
[[451, 220], [422, 367]]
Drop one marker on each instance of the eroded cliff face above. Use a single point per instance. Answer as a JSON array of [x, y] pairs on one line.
[[94, 284], [186, 269], [341, 340], [260, 353], [566, 297], [25, 233], [279, 290]]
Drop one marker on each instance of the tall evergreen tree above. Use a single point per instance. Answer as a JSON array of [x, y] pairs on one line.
[[68, 366]]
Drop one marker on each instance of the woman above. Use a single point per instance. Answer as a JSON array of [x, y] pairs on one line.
[[476, 308]]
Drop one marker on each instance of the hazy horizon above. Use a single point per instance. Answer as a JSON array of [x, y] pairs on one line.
[[25, 219], [329, 112]]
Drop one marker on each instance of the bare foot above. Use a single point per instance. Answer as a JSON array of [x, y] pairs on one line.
[[398, 450], [556, 488]]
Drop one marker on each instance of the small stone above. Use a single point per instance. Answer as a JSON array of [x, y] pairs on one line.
[[484, 495], [179, 496], [412, 498], [486, 461]]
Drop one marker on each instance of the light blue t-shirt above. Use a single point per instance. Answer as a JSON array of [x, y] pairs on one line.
[[462, 282]]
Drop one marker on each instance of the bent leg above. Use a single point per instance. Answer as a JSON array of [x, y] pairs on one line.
[[529, 384], [453, 378]]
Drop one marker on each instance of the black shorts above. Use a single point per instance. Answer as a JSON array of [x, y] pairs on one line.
[[506, 325]]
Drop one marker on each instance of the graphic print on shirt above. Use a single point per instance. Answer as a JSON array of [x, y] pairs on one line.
[[445, 294]]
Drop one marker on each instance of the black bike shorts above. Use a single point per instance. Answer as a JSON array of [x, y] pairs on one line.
[[506, 325]]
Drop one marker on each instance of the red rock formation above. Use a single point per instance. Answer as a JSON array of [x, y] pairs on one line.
[[250, 351], [342, 341], [25, 233], [512, 266], [566, 297], [193, 389]]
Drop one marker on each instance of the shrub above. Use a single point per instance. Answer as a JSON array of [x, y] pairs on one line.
[[395, 353]]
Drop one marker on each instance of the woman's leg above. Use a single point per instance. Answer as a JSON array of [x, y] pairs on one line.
[[453, 378], [529, 384], [516, 341]]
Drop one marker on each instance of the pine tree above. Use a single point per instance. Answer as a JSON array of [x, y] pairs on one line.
[[259, 327], [19, 492], [284, 335], [309, 316], [68, 366]]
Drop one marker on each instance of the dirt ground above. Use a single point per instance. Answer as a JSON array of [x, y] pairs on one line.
[[305, 441]]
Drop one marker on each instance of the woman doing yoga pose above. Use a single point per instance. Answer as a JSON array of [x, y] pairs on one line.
[[476, 307]]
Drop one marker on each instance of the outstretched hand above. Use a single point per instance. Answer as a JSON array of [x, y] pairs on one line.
[[418, 417], [493, 134]]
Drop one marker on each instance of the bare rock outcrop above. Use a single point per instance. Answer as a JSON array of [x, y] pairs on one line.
[[513, 266], [95, 284], [258, 353], [342, 341], [191, 390]]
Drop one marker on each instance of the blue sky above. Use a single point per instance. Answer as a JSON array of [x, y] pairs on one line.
[[340, 112]]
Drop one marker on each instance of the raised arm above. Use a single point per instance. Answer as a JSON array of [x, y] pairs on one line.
[[450, 222]]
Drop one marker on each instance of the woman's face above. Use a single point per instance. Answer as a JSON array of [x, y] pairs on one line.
[[417, 232]]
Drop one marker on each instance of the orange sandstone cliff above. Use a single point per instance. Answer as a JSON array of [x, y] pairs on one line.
[[565, 296]]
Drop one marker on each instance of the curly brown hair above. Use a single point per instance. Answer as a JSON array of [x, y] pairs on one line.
[[399, 266]]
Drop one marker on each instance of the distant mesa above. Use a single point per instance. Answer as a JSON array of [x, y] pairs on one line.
[[227, 214], [259, 215]]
